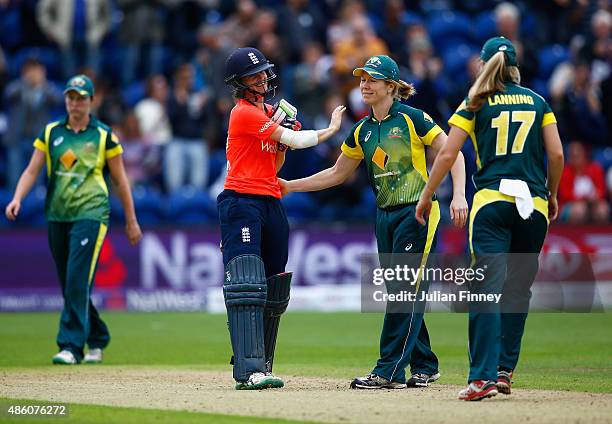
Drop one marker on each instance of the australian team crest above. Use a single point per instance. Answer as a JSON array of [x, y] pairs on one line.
[[374, 62], [77, 82], [395, 132]]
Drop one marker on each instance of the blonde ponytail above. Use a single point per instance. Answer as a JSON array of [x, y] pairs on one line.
[[402, 90], [490, 80]]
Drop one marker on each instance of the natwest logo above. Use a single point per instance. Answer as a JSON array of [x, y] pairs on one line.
[[269, 146]]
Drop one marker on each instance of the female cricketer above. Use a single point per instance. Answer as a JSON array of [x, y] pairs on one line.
[[511, 128], [392, 141], [254, 228], [78, 151]]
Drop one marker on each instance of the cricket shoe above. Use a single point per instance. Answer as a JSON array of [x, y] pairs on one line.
[[94, 356], [422, 380], [260, 381], [478, 390], [504, 382], [373, 381], [65, 357]]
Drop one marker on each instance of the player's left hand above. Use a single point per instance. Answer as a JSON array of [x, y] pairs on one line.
[[133, 232], [553, 208], [422, 210], [459, 211], [284, 185]]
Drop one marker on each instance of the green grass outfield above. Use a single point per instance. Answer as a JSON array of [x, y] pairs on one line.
[[560, 351]]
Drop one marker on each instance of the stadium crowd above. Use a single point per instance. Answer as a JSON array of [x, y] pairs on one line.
[[158, 72]]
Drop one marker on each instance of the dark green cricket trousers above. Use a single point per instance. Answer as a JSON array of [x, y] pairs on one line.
[[404, 338], [75, 247], [508, 246]]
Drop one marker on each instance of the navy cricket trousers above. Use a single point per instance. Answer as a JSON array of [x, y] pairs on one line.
[[254, 224]]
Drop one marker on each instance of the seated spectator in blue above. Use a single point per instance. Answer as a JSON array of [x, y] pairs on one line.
[[187, 154], [582, 191], [30, 101]]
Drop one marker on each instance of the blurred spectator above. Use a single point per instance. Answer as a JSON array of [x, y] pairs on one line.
[[107, 104], [354, 50], [187, 153], [508, 21], [239, 27], [582, 191], [394, 28], [140, 157], [186, 15], [457, 95], [302, 22], [579, 110], [598, 46], [568, 16], [264, 23], [361, 44], [563, 75], [425, 73], [311, 81], [152, 113], [210, 67], [337, 201], [265, 39], [142, 34], [340, 29], [78, 27], [30, 101]]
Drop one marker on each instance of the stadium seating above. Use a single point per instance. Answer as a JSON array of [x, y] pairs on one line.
[[448, 28], [550, 57], [189, 206]]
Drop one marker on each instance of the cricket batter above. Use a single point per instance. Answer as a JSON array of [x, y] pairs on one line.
[[512, 128], [254, 227]]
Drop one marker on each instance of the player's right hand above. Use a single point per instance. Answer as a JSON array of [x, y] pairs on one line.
[[292, 124], [553, 208], [336, 118], [12, 209], [422, 210]]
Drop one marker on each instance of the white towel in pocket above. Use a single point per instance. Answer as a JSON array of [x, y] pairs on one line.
[[520, 191]]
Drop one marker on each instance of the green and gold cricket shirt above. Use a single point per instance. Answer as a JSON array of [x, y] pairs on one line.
[[507, 137], [394, 152], [76, 169]]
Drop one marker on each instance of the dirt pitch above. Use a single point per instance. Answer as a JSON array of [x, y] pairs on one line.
[[303, 398]]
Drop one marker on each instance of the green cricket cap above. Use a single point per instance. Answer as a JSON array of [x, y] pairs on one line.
[[380, 67], [499, 44], [81, 84]]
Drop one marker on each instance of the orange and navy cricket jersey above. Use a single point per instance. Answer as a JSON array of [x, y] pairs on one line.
[[251, 154]]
